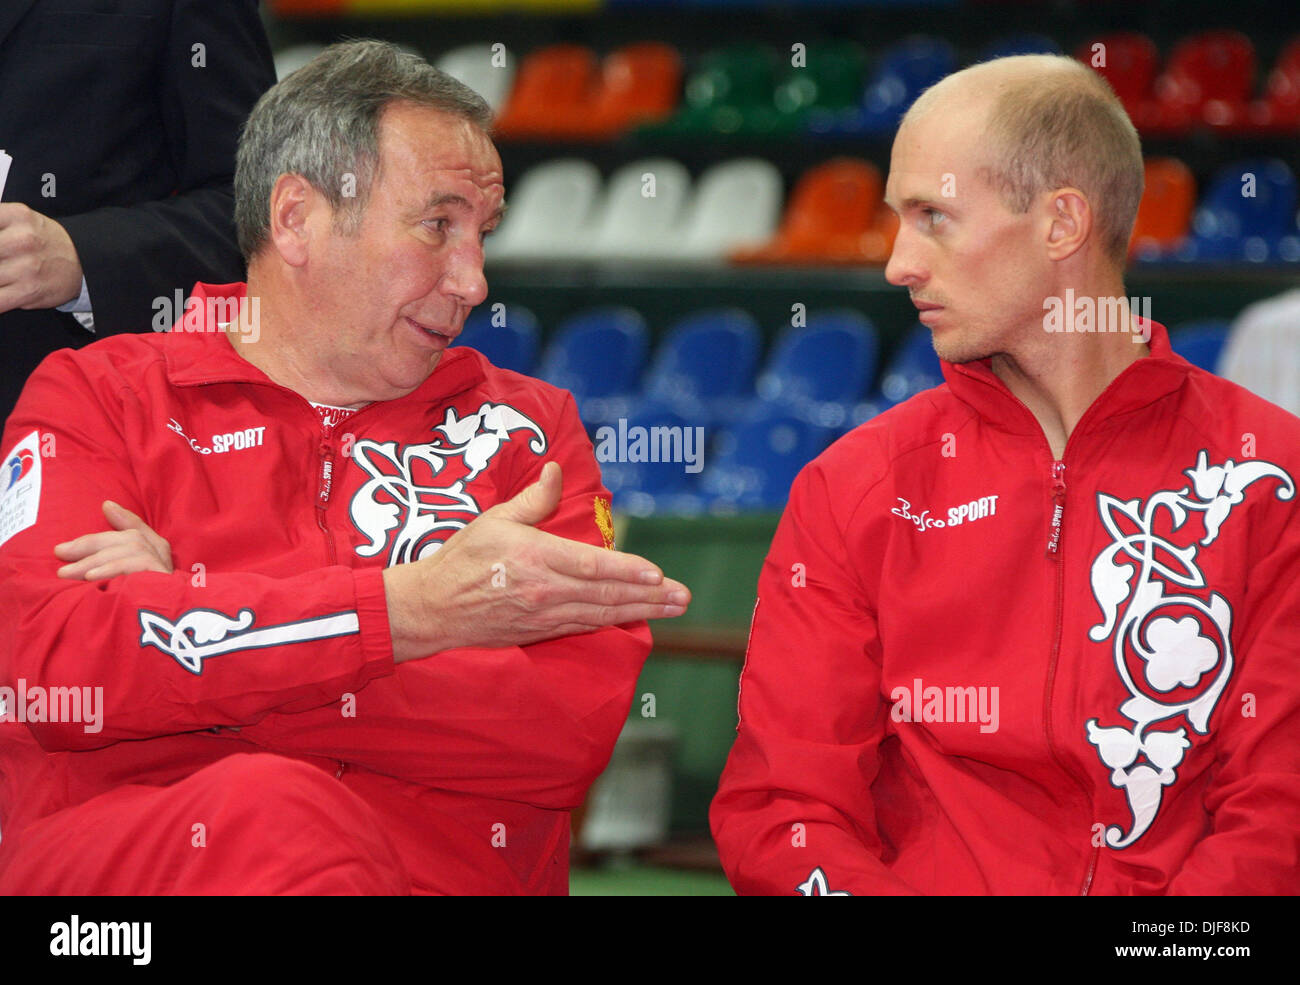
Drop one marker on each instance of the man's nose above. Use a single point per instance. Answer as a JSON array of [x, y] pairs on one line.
[[904, 267], [464, 277]]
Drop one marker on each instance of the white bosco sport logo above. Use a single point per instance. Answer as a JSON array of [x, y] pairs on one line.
[[222, 443], [976, 509]]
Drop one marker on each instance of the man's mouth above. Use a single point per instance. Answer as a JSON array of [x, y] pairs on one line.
[[437, 335]]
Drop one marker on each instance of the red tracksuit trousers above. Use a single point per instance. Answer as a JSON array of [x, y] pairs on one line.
[[247, 824]]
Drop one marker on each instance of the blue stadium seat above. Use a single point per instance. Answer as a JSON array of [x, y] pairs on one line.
[[508, 336], [904, 72], [817, 372], [1231, 224], [708, 359], [914, 367], [658, 430], [1200, 342], [756, 461], [598, 355]]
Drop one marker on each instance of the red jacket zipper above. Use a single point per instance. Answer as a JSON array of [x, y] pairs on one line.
[[1055, 551], [324, 484], [1058, 510]]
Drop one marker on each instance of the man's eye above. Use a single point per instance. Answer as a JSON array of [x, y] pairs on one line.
[[437, 225], [933, 217]]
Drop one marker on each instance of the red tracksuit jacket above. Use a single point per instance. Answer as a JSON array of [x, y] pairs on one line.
[[274, 618], [974, 669]]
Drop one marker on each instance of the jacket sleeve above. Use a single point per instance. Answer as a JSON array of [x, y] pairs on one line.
[[1253, 846], [132, 254], [290, 642], [794, 812], [534, 724]]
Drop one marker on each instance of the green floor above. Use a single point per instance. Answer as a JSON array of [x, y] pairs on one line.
[[644, 880]]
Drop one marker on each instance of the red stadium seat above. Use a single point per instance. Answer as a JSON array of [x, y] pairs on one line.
[[1208, 80], [1279, 110], [1127, 60], [553, 83], [639, 83]]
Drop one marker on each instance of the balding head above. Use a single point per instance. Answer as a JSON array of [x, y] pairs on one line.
[[1050, 123]]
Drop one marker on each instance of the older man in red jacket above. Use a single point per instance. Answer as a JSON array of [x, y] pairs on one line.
[[349, 633], [1033, 631]]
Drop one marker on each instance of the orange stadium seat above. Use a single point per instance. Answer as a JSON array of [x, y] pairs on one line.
[[832, 211], [877, 243], [638, 83], [553, 83], [1165, 213]]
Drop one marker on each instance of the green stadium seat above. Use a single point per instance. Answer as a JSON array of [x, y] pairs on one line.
[[730, 84], [693, 672]]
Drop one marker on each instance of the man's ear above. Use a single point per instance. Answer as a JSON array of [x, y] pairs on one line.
[[295, 217], [1069, 222]]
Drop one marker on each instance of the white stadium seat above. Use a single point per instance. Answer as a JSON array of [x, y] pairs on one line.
[[737, 203], [641, 214], [291, 59], [549, 215], [489, 73]]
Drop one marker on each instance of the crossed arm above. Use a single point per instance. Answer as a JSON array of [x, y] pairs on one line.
[[559, 586]]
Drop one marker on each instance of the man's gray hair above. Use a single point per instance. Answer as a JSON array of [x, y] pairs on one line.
[[322, 122]]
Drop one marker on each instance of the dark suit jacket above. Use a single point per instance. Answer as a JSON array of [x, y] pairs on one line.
[[106, 96]]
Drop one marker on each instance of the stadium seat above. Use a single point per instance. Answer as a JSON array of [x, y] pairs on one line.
[[638, 83], [640, 477], [832, 209], [489, 73], [1200, 342], [736, 204], [818, 371], [553, 82], [1248, 214], [904, 72], [731, 83], [1208, 80], [755, 461], [598, 355], [719, 557], [1165, 213], [640, 214], [289, 60], [913, 367], [830, 80], [707, 359], [1279, 109], [1127, 60], [506, 334], [550, 213]]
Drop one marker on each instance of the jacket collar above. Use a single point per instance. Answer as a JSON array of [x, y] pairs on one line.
[[1141, 383], [198, 351]]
